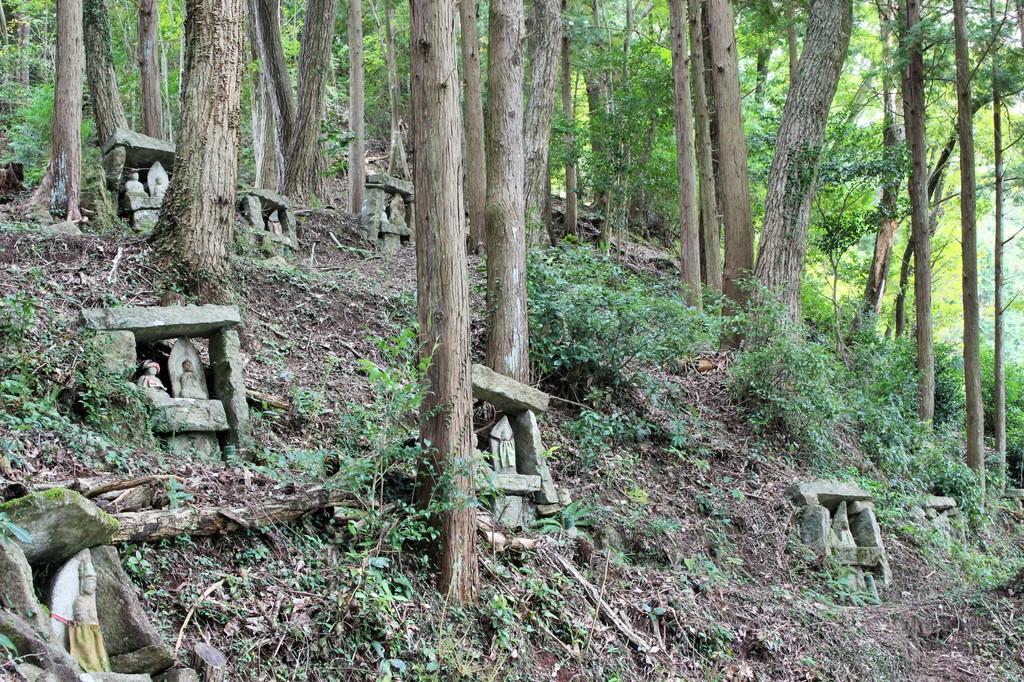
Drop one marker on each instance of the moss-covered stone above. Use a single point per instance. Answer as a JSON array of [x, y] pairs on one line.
[[60, 523]]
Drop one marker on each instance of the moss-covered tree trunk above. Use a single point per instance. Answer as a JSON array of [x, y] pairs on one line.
[[60, 189], [442, 284], [104, 95], [275, 72], [543, 42], [196, 221], [794, 169]]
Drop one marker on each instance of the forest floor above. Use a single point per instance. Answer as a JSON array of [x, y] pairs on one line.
[[695, 552]]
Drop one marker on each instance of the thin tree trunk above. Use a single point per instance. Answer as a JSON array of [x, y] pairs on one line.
[[165, 79], [689, 221], [24, 76], [4, 38], [544, 37], [792, 43], [356, 117], [892, 138], [398, 163], [710, 227], [149, 71], [793, 173], [267, 152], [914, 116], [999, 379], [476, 157], [734, 183], [60, 188], [278, 81], [571, 208], [198, 214], [302, 177], [107, 107], [443, 294], [761, 73], [969, 249], [507, 339]]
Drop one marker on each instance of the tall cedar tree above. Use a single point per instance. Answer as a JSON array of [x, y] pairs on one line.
[[794, 169], [686, 165], [274, 68], [914, 117], [543, 42], [107, 108], [149, 72], [733, 181], [198, 214], [442, 284], [969, 248], [999, 367], [356, 98], [266, 148], [476, 157], [60, 188], [710, 224], [507, 340], [571, 205]]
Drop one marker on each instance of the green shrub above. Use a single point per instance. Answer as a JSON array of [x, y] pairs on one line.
[[593, 322], [1014, 403], [950, 399]]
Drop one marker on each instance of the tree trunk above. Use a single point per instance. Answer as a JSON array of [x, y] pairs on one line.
[[761, 73], [443, 294], [999, 378], [794, 169], [734, 183], [107, 107], [4, 38], [689, 221], [710, 227], [165, 81], [356, 117], [24, 75], [398, 162], [302, 177], [476, 158], [571, 207], [544, 38], [969, 249], [198, 213], [276, 80], [507, 340], [914, 117], [792, 43], [149, 71], [60, 188], [892, 137], [267, 153]]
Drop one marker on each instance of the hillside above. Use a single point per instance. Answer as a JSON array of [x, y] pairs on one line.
[[679, 557]]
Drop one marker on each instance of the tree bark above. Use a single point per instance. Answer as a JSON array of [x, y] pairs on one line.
[[734, 183], [710, 226], [198, 213], [794, 169], [277, 80], [544, 37], [914, 117], [60, 188], [107, 107], [892, 138], [686, 168], [356, 117], [999, 378], [969, 249], [24, 73], [571, 206], [476, 157], [792, 43], [267, 152], [302, 178], [507, 339], [443, 294], [149, 71]]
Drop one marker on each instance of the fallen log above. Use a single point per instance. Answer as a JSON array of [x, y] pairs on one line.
[[160, 524], [260, 399]]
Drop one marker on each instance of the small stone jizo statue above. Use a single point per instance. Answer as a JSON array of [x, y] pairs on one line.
[[133, 186], [149, 378], [84, 634], [191, 387], [157, 180]]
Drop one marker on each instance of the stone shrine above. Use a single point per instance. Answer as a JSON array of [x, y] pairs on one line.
[[387, 212], [271, 216], [837, 519], [193, 413], [518, 469], [136, 166], [941, 514]]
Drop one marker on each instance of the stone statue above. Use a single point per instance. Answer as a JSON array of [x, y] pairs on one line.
[[503, 447], [157, 180], [190, 384], [397, 211], [188, 380], [84, 635], [149, 378], [133, 186]]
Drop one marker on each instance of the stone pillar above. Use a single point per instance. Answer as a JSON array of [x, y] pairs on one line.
[[117, 352], [226, 361]]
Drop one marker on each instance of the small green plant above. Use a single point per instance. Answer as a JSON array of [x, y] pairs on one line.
[[177, 495]]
